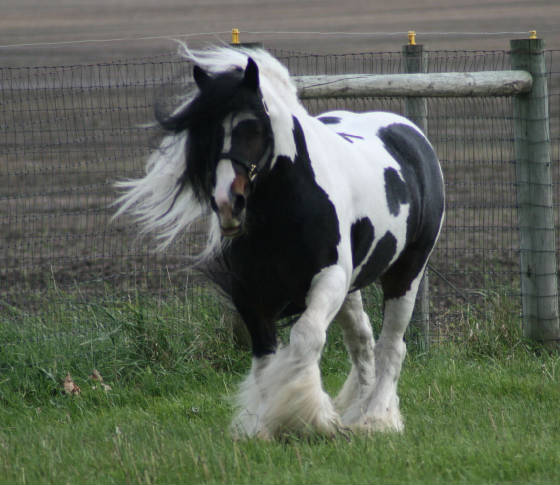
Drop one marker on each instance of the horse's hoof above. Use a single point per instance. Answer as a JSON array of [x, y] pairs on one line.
[[373, 424], [345, 432]]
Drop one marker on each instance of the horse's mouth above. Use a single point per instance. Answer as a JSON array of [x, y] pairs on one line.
[[232, 231]]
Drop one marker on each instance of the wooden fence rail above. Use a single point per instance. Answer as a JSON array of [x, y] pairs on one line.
[[448, 84]]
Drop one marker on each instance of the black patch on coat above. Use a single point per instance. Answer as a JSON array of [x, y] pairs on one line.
[[361, 238], [378, 261], [330, 120], [395, 190], [425, 194], [292, 233]]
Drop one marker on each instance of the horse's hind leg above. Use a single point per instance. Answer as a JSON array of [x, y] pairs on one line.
[[382, 412], [358, 337]]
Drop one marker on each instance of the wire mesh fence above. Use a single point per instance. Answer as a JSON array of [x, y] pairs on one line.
[[68, 133]]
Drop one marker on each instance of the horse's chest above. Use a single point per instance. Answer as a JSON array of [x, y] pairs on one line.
[[291, 235], [288, 251]]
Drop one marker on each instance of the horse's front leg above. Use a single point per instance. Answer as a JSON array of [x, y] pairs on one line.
[[289, 385], [250, 400], [252, 395]]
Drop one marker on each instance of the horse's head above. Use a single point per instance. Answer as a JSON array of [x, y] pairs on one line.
[[229, 141]]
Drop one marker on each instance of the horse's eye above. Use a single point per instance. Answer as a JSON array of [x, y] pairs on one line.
[[248, 128]]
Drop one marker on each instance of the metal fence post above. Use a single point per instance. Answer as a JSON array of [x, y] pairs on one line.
[[416, 110], [539, 284], [235, 42]]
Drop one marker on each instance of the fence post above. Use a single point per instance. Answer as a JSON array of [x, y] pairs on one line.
[[416, 110], [235, 42], [539, 285]]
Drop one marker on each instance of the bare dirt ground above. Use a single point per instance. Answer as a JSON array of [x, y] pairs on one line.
[[69, 32], [44, 27]]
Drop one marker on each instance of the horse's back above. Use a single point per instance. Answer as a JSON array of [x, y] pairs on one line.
[[390, 140], [385, 140], [363, 125]]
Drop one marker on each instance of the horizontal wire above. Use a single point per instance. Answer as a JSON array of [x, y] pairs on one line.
[[266, 32], [120, 39], [380, 34]]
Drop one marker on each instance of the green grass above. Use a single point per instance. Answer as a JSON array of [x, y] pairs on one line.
[[483, 409]]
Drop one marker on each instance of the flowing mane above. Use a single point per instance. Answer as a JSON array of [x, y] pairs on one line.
[[276, 85], [165, 207], [278, 90]]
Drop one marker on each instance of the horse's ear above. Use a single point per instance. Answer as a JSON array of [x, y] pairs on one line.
[[200, 77], [251, 77]]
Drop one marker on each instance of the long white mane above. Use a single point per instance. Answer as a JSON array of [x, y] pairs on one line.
[[275, 82], [164, 207]]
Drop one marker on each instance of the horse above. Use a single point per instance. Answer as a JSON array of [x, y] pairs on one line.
[[304, 213]]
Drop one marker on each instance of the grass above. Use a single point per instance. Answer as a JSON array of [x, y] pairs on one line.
[[480, 410]]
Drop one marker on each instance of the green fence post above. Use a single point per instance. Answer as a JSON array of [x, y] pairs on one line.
[[539, 283], [416, 110]]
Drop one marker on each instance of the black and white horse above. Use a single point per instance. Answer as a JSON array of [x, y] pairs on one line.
[[305, 211]]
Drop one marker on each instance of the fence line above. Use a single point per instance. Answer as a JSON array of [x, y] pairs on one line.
[[69, 132]]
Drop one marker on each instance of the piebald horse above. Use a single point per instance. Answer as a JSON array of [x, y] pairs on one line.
[[305, 211]]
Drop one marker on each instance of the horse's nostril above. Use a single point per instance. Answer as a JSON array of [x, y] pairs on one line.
[[213, 204], [238, 204]]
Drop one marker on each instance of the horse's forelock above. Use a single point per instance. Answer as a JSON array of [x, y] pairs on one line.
[[275, 81], [212, 103]]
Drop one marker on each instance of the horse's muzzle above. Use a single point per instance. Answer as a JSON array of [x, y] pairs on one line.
[[232, 231], [231, 209]]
